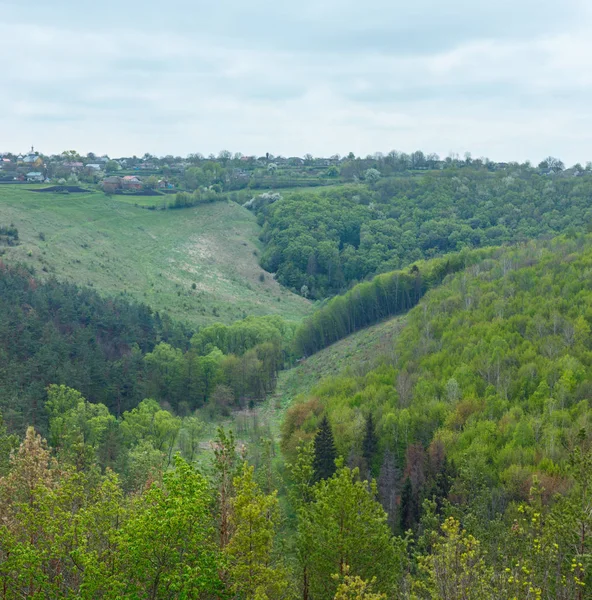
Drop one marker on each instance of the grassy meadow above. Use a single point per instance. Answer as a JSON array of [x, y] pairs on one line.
[[200, 264]]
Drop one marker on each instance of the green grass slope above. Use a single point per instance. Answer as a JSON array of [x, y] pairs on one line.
[[355, 354], [200, 264]]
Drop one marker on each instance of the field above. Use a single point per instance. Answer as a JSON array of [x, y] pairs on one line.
[[199, 264]]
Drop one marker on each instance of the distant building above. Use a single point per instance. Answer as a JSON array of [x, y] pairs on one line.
[[32, 157], [93, 167], [131, 182], [35, 176], [111, 184]]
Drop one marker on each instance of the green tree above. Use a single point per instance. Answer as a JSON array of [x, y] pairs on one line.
[[253, 572], [324, 451], [167, 548], [370, 444], [355, 588], [112, 166], [77, 427], [189, 437], [226, 464], [456, 568], [345, 525]]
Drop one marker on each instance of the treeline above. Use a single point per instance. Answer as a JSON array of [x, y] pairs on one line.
[[118, 352], [228, 366], [195, 198], [321, 242], [485, 393], [72, 528], [386, 295]]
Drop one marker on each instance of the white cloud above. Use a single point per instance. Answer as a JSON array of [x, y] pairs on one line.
[[131, 89]]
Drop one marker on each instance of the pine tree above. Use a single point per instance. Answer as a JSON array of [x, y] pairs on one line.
[[324, 451], [370, 444], [407, 511]]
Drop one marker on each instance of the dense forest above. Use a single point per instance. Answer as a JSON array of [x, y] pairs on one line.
[[459, 468], [71, 529], [370, 302], [117, 352], [319, 243], [486, 398]]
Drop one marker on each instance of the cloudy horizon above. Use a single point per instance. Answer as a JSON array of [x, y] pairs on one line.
[[510, 80]]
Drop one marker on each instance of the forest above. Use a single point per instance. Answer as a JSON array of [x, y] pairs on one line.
[[457, 468], [319, 243], [454, 465], [117, 352]]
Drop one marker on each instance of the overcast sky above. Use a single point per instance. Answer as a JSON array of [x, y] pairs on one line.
[[510, 79]]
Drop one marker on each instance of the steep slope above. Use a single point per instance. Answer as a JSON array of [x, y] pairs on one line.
[[493, 371], [199, 264]]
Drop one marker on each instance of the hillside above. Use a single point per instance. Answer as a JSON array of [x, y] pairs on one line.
[[199, 264], [493, 372], [320, 242], [356, 354]]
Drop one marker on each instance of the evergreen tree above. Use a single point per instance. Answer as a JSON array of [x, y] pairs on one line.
[[324, 452], [407, 510], [370, 444]]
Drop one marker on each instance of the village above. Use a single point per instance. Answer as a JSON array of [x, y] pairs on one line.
[[134, 174], [230, 172]]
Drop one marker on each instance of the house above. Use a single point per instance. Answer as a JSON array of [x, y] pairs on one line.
[[93, 167], [131, 182], [74, 166], [35, 176], [111, 184]]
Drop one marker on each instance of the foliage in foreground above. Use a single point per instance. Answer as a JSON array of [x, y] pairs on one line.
[[72, 532]]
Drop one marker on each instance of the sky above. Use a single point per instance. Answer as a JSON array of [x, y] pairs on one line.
[[509, 80]]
